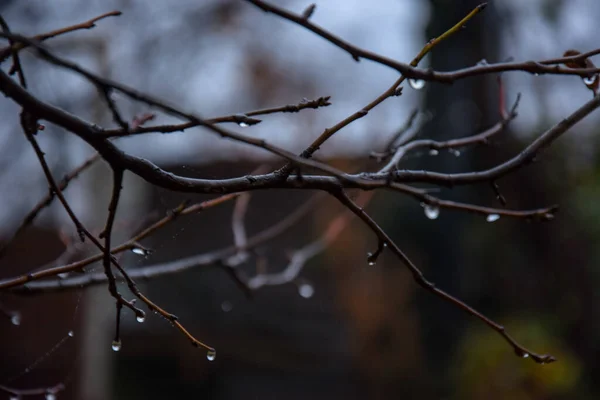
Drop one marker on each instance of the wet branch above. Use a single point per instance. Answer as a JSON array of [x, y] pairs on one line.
[[420, 279]]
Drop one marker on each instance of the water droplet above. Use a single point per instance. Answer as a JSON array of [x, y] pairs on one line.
[[139, 251], [371, 259], [226, 306], [589, 80], [431, 212], [64, 275], [243, 124], [140, 318], [15, 319], [416, 84], [492, 218], [455, 153], [521, 353], [14, 397], [306, 290], [211, 355], [433, 152], [116, 345], [50, 396], [71, 333]]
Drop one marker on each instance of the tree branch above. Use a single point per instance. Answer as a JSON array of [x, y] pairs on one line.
[[419, 278]]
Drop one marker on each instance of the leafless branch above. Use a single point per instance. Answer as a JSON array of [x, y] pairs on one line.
[[214, 258], [47, 200], [35, 392], [420, 279], [435, 146], [40, 38], [299, 172], [409, 71], [300, 257]]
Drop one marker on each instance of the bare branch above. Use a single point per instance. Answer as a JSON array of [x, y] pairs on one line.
[[40, 38], [132, 244], [528, 155], [214, 258], [300, 257], [533, 67], [433, 145], [300, 171], [30, 125], [240, 119], [419, 278], [47, 200], [35, 392]]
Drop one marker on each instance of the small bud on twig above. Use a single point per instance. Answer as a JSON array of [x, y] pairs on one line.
[[308, 12]]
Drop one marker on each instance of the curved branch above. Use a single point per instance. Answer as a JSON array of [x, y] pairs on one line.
[[533, 67], [420, 279]]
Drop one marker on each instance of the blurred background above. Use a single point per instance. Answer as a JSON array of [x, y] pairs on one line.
[[342, 328]]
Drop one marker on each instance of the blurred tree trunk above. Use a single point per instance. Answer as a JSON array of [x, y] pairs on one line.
[[458, 110]]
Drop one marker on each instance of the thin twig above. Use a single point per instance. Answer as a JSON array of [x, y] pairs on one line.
[[16, 67], [238, 228], [419, 278], [45, 36], [47, 200], [131, 244], [24, 285], [112, 210], [29, 124], [35, 392], [480, 138], [157, 176], [300, 257], [393, 90], [526, 156], [408, 70]]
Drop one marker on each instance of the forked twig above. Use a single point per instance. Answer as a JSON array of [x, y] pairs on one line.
[[420, 279]]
